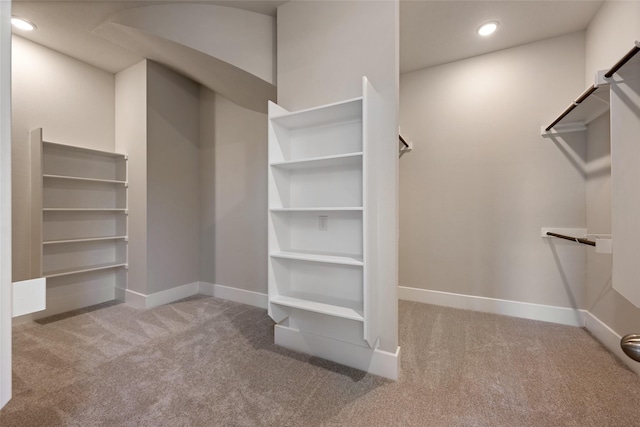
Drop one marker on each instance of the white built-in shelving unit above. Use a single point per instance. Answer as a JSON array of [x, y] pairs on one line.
[[79, 221], [320, 241]]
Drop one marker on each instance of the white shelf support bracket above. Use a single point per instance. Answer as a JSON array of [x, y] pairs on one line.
[[604, 245]]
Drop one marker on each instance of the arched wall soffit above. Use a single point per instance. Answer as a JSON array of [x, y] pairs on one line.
[[230, 51]]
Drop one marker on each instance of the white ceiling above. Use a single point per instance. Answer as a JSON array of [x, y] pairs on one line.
[[437, 32], [431, 32]]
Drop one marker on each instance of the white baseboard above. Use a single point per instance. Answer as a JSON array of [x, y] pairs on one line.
[[610, 339], [243, 296], [373, 361], [141, 301], [207, 288], [546, 313]]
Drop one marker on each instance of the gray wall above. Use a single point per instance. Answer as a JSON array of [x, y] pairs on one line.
[[324, 49], [157, 124], [172, 179], [73, 102], [233, 194], [481, 181]]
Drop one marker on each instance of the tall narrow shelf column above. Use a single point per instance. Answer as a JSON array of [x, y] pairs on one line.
[[323, 229], [79, 223]]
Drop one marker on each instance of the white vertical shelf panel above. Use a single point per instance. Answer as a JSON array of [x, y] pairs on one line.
[[35, 140], [318, 207], [371, 139]]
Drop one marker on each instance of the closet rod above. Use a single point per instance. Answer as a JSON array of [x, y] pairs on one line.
[[624, 60], [573, 105], [403, 141], [593, 88], [573, 239]]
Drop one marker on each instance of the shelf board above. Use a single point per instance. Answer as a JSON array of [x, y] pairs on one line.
[[594, 101], [324, 257], [318, 307], [338, 112], [78, 270], [590, 105], [84, 210], [79, 178], [324, 161], [88, 239], [83, 150], [318, 209]]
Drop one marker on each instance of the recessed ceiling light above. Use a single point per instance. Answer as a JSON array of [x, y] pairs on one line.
[[22, 24], [488, 28]]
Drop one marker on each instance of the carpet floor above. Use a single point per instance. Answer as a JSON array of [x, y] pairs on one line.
[[209, 362]]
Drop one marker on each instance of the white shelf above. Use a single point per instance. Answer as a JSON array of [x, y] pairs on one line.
[[332, 113], [88, 239], [324, 257], [324, 161], [590, 105], [318, 307], [318, 209], [83, 150], [84, 210], [594, 102], [79, 178], [87, 269], [79, 216], [320, 180]]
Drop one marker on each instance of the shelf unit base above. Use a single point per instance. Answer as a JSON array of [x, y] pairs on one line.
[[373, 361]]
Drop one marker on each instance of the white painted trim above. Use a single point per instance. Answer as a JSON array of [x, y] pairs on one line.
[[135, 299], [29, 296], [256, 299], [610, 339], [373, 361], [141, 301], [545, 313], [6, 299], [207, 288]]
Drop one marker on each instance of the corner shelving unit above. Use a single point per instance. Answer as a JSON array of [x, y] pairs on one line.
[[79, 225], [616, 91], [320, 171]]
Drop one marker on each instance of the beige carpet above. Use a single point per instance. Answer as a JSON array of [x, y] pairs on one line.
[[208, 362]]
